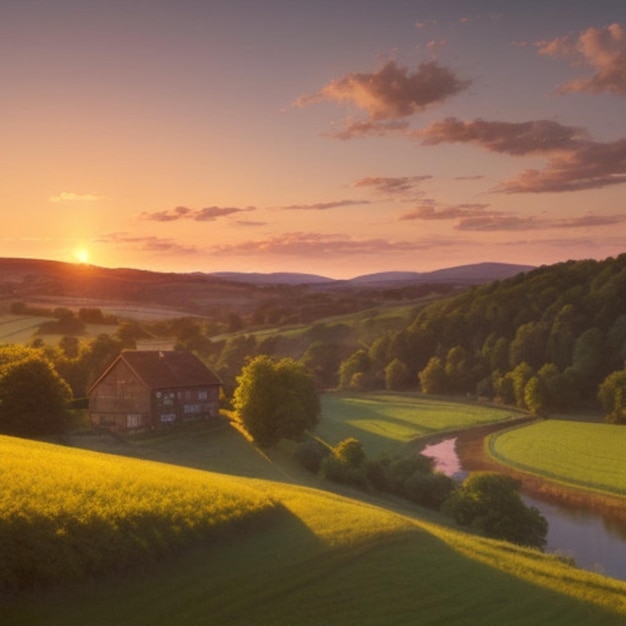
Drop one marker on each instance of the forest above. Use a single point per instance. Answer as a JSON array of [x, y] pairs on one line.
[[548, 340]]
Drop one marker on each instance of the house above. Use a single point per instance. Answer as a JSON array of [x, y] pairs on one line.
[[149, 389]]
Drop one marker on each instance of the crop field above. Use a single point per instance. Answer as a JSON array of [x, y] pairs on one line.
[[19, 328], [387, 420], [589, 455], [318, 558]]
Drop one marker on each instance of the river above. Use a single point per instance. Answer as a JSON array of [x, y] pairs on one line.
[[595, 542]]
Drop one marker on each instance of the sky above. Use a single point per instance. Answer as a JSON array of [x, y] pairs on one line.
[[332, 137]]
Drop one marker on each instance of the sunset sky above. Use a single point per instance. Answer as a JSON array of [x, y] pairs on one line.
[[333, 137]]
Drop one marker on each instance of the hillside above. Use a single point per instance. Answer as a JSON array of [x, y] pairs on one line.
[[318, 558], [71, 284], [543, 340]]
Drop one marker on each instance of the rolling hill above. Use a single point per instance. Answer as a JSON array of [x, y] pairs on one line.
[[314, 558]]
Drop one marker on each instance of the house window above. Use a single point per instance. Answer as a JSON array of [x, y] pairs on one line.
[[203, 394], [133, 420]]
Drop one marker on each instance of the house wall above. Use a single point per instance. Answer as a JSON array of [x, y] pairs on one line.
[[185, 404], [120, 400]]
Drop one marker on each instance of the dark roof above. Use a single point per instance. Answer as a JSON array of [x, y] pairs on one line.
[[160, 368]]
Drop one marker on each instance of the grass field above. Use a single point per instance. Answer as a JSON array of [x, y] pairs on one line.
[[589, 455], [319, 558], [386, 421], [19, 328]]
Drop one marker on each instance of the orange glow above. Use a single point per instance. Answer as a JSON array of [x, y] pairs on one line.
[[82, 255]]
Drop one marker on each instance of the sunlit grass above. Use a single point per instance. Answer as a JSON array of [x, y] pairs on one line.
[[383, 421], [66, 513], [590, 455], [321, 558]]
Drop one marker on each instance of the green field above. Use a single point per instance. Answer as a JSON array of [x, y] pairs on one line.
[[315, 557], [385, 421], [19, 328], [589, 455]]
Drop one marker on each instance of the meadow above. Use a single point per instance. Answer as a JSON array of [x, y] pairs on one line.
[[66, 514], [386, 421], [582, 454], [317, 558], [19, 328]]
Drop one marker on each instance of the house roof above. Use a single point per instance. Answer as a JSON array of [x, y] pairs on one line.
[[159, 369]]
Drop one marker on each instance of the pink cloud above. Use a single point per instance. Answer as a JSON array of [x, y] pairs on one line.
[[316, 244], [517, 138], [591, 166], [207, 214], [356, 129], [575, 162], [431, 210], [393, 186], [323, 206], [146, 243], [601, 49], [392, 92], [502, 222]]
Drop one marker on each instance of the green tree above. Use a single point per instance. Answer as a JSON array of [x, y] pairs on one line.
[[536, 396], [33, 398], [612, 396], [520, 377], [457, 368], [433, 376], [396, 375], [357, 363], [490, 503], [276, 400]]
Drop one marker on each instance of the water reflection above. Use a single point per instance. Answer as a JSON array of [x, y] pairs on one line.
[[595, 542]]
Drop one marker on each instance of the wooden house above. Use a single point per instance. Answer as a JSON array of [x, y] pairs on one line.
[[150, 389]]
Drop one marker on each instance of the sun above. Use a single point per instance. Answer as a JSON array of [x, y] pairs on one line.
[[82, 255]]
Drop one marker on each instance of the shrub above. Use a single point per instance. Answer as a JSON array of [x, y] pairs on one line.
[[491, 504], [310, 453], [430, 490]]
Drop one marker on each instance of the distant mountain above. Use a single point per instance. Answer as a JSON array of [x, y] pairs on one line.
[[273, 278], [472, 274], [475, 273]]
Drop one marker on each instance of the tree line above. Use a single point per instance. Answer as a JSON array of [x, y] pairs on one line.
[[548, 340]]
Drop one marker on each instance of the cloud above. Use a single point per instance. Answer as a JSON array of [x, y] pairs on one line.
[[323, 206], [591, 166], [431, 210], [146, 243], [575, 162], [502, 222], [392, 92], [316, 244], [70, 196], [516, 138], [208, 214], [355, 129], [393, 186], [601, 49]]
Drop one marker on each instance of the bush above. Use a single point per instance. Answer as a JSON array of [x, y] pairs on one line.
[[310, 453], [491, 504], [430, 490]]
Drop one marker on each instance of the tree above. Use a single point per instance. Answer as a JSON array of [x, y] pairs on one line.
[[433, 376], [357, 363], [490, 503], [396, 375], [612, 396], [33, 398], [276, 400]]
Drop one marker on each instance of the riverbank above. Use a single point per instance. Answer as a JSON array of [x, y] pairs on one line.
[[472, 450]]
